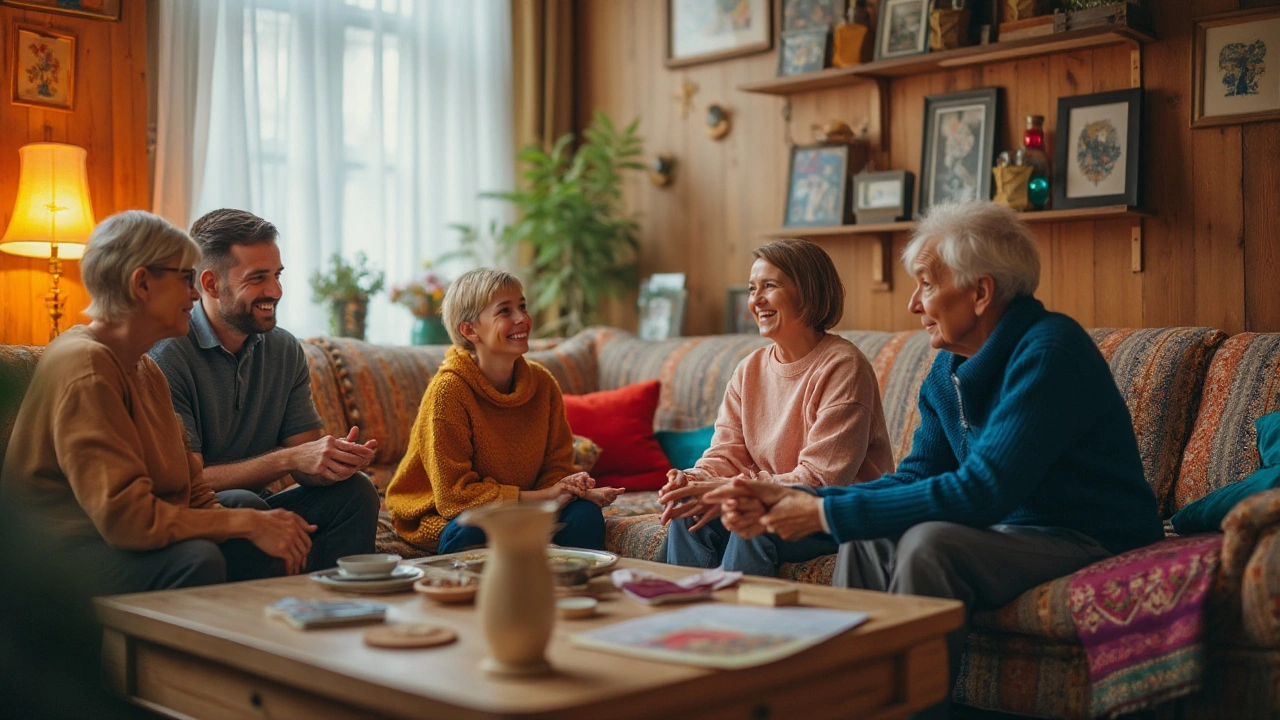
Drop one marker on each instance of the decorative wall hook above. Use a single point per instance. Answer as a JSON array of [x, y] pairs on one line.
[[662, 169], [717, 122]]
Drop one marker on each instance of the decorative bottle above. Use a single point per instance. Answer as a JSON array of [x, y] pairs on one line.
[[1033, 154]]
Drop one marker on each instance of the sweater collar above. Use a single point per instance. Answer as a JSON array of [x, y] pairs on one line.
[[993, 356], [800, 366], [461, 363]]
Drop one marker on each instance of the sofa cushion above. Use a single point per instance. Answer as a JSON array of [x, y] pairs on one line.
[[621, 423], [1243, 384], [324, 387], [1160, 373], [382, 386], [17, 365], [684, 448], [901, 362]]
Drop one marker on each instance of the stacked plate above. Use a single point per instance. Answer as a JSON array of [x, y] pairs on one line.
[[369, 574]]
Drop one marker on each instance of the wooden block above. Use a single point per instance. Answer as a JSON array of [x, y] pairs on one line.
[[771, 595]]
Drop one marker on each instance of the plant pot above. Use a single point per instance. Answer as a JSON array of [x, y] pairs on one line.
[[429, 331], [346, 318]]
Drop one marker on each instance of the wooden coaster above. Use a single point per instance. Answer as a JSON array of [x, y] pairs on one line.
[[414, 635]]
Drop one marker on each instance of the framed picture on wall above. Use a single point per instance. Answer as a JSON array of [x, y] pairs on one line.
[[902, 29], [818, 188], [882, 196], [804, 14], [96, 9], [959, 145], [1096, 160], [43, 68], [738, 319], [662, 314], [804, 51], [1234, 62], [701, 31]]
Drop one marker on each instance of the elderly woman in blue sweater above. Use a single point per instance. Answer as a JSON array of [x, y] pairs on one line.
[[1025, 466]]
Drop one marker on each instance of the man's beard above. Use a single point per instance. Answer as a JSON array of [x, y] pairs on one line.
[[242, 318]]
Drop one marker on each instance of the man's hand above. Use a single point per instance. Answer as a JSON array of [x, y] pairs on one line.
[[282, 534], [330, 460], [788, 513]]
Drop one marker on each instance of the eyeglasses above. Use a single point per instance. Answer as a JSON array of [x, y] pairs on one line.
[[188, 274]]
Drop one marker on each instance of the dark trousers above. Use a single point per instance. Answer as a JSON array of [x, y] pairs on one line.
[[583, 528], [983, 567]]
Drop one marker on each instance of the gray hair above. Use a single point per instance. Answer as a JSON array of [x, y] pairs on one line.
[[120, 245], [980, 238], [467, 297]]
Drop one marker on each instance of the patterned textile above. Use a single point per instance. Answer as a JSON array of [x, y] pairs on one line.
[[901, 364], [324, 386], [1023, 675], [1041, 612], [1159, 373], [1141, 620], [1251, 568], [17, 365], [632, 504], [1243, 384], [635, 536]]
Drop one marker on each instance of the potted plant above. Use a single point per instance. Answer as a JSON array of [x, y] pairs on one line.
[[346, 288], [571, 215], [424, 297]]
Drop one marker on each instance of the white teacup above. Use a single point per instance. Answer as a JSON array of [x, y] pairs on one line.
[[372, 565]]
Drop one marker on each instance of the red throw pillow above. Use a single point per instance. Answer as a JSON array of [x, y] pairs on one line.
[[621, 423]]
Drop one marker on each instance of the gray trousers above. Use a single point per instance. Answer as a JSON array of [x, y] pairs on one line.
[[983, 567]]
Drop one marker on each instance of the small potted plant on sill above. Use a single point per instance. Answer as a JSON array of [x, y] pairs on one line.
[[424, 296], [347, 287]]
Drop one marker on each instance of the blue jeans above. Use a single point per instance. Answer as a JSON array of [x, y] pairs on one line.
[[714, 546], [583, 528]]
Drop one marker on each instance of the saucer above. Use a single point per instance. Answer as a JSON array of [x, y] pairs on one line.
[[399, 573], [399, 581]]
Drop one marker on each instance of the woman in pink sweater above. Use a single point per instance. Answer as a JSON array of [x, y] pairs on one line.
[[802, 411]]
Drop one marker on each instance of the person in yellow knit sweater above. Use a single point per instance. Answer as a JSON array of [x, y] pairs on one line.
[[491, 428]]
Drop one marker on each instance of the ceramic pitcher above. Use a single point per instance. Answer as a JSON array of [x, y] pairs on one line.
[[516, 597]]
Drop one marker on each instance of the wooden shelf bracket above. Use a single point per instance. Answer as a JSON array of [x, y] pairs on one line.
[[882, 263], [1135, 246]]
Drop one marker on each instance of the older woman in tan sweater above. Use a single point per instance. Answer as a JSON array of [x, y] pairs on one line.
[[804, 410], [97, 450]]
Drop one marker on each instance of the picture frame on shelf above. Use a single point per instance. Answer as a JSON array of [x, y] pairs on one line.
[[959, 147], [882, 197], [93, 9], [902, 29], [701, 31], [804, 14], [738, 319], [818, 186], [662, 314], [804, 51], [43, 64], [1099, 150], [1233, 66]]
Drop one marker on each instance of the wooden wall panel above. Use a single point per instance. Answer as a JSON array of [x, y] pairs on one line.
[[1212, 252], [108, 120]]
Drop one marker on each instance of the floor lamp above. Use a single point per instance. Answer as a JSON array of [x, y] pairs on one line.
[[52, 217]]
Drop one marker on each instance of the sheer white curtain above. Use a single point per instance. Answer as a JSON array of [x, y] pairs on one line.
[[353, 125]]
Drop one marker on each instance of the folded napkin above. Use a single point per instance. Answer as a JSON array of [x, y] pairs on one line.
[[653, 590]]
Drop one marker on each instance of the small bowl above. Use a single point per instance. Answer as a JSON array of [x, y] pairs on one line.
[[569, 572], [577, 607], [446, 590], [373, 565]]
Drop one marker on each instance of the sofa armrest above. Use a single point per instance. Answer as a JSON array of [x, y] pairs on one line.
[[1251, 566]]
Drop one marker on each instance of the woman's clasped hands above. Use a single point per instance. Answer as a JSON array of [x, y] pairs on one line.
[[578, 485]]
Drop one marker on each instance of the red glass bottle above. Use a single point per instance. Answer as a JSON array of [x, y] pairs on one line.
[[1033, 154]]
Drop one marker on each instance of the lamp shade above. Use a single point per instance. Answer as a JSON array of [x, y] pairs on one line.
[[53, 203]]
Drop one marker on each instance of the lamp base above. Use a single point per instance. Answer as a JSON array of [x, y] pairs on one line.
[[54, 300]]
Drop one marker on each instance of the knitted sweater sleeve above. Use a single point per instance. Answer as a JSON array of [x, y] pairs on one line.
[[1039, 415], [557, 461], [446, 437]]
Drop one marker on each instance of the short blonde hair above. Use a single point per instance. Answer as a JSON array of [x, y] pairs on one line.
[[981, 238], [817, 282], [468, 296], [120, 245]]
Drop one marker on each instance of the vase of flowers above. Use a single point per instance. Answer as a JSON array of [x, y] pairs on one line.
[[424, 296], [346, 287]]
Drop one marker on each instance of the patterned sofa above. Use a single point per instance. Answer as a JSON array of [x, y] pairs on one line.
[[1194, 394]]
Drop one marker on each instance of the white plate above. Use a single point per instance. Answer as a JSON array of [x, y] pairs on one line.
[[402, 580], [598, 561], [401, 572]]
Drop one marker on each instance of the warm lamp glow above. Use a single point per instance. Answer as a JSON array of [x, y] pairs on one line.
[[53, 203]]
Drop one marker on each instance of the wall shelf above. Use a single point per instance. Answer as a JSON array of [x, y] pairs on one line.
[[950, 59]]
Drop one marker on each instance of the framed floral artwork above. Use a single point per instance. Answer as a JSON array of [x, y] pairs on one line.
[[1097, 157], [903, 28], [802, 14], [700, 31], [804, 51], [959, 145], [1234, 58], [44, 65], [818, 190], [96, 9]]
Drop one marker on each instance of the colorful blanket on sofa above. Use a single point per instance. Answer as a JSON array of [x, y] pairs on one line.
[[1141, 619]]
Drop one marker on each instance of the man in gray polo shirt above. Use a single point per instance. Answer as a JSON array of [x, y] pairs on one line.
[[242, 388]]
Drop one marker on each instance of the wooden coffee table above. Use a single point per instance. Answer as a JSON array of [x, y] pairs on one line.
[[211, 652]]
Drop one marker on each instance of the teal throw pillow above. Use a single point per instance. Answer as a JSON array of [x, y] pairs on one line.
[[683, 448], [1269, 439], [1206, 514]]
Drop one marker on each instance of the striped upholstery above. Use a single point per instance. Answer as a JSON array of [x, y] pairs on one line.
[[1242, 385], [1160, 373]]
